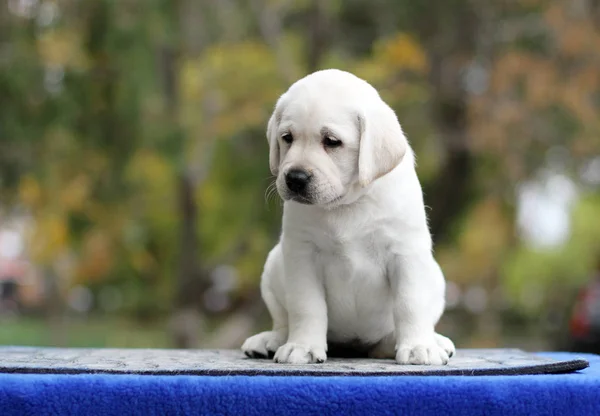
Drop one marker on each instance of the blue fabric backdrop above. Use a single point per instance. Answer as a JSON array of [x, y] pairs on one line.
[[564, 394]]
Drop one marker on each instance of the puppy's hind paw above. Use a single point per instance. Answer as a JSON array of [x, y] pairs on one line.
[[421, 353], [292, 353]]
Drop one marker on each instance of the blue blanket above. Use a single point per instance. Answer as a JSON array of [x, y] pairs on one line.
[[562, 394]]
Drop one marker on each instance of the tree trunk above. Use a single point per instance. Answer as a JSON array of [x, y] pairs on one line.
[[449, 195], [54, 307], [186, 322], [317, 34], [269, 17], [453, 42]]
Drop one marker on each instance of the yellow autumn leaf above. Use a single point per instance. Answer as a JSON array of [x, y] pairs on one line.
[[485, 237], [210, 195], [62, 48], [191, 82], [403, 52], [142, 261], [452, 263], [75, 193], [50, 237], [250, 263], [97, 255], [148, 169], [30, 192], [374, 71]]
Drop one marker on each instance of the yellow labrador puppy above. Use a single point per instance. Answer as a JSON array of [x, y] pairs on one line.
[[354, 265]]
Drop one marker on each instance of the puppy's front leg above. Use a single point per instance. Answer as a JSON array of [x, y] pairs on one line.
[[306, 306], [418, 287]]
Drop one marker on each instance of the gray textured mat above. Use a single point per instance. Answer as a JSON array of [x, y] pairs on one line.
[[233, 362]]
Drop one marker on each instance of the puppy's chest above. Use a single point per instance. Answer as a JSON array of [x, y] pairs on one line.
[[344, 258], [357, 289]]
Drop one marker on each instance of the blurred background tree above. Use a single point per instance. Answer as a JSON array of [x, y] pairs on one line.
[[133, 159]]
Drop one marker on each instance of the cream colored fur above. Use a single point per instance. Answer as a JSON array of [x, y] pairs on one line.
[[354, 264]]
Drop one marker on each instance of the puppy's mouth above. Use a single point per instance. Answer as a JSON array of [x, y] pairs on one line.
[[302, 199], [310, 196], [334, 202], [307, 200]]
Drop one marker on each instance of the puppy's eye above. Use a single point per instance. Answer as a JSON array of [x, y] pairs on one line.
[[288, 138], [329, 142]]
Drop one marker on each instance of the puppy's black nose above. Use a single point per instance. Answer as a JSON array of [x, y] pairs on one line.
[[296, 180]]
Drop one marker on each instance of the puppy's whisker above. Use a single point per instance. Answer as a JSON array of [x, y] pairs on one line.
[[270, 189], [273, 195], [270, 192], [269, 198], [267, 191]]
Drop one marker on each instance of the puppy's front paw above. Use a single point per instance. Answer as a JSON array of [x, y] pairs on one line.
[[445, 343], [292, 353], [421, 353], [263, 345]]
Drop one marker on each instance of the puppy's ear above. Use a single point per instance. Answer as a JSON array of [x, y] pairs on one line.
[[273, 143], [382, 142]]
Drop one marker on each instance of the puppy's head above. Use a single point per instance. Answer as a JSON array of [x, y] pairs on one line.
[[330, 136]]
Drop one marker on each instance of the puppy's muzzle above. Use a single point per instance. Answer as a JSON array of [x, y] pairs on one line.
[[297, 181]]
